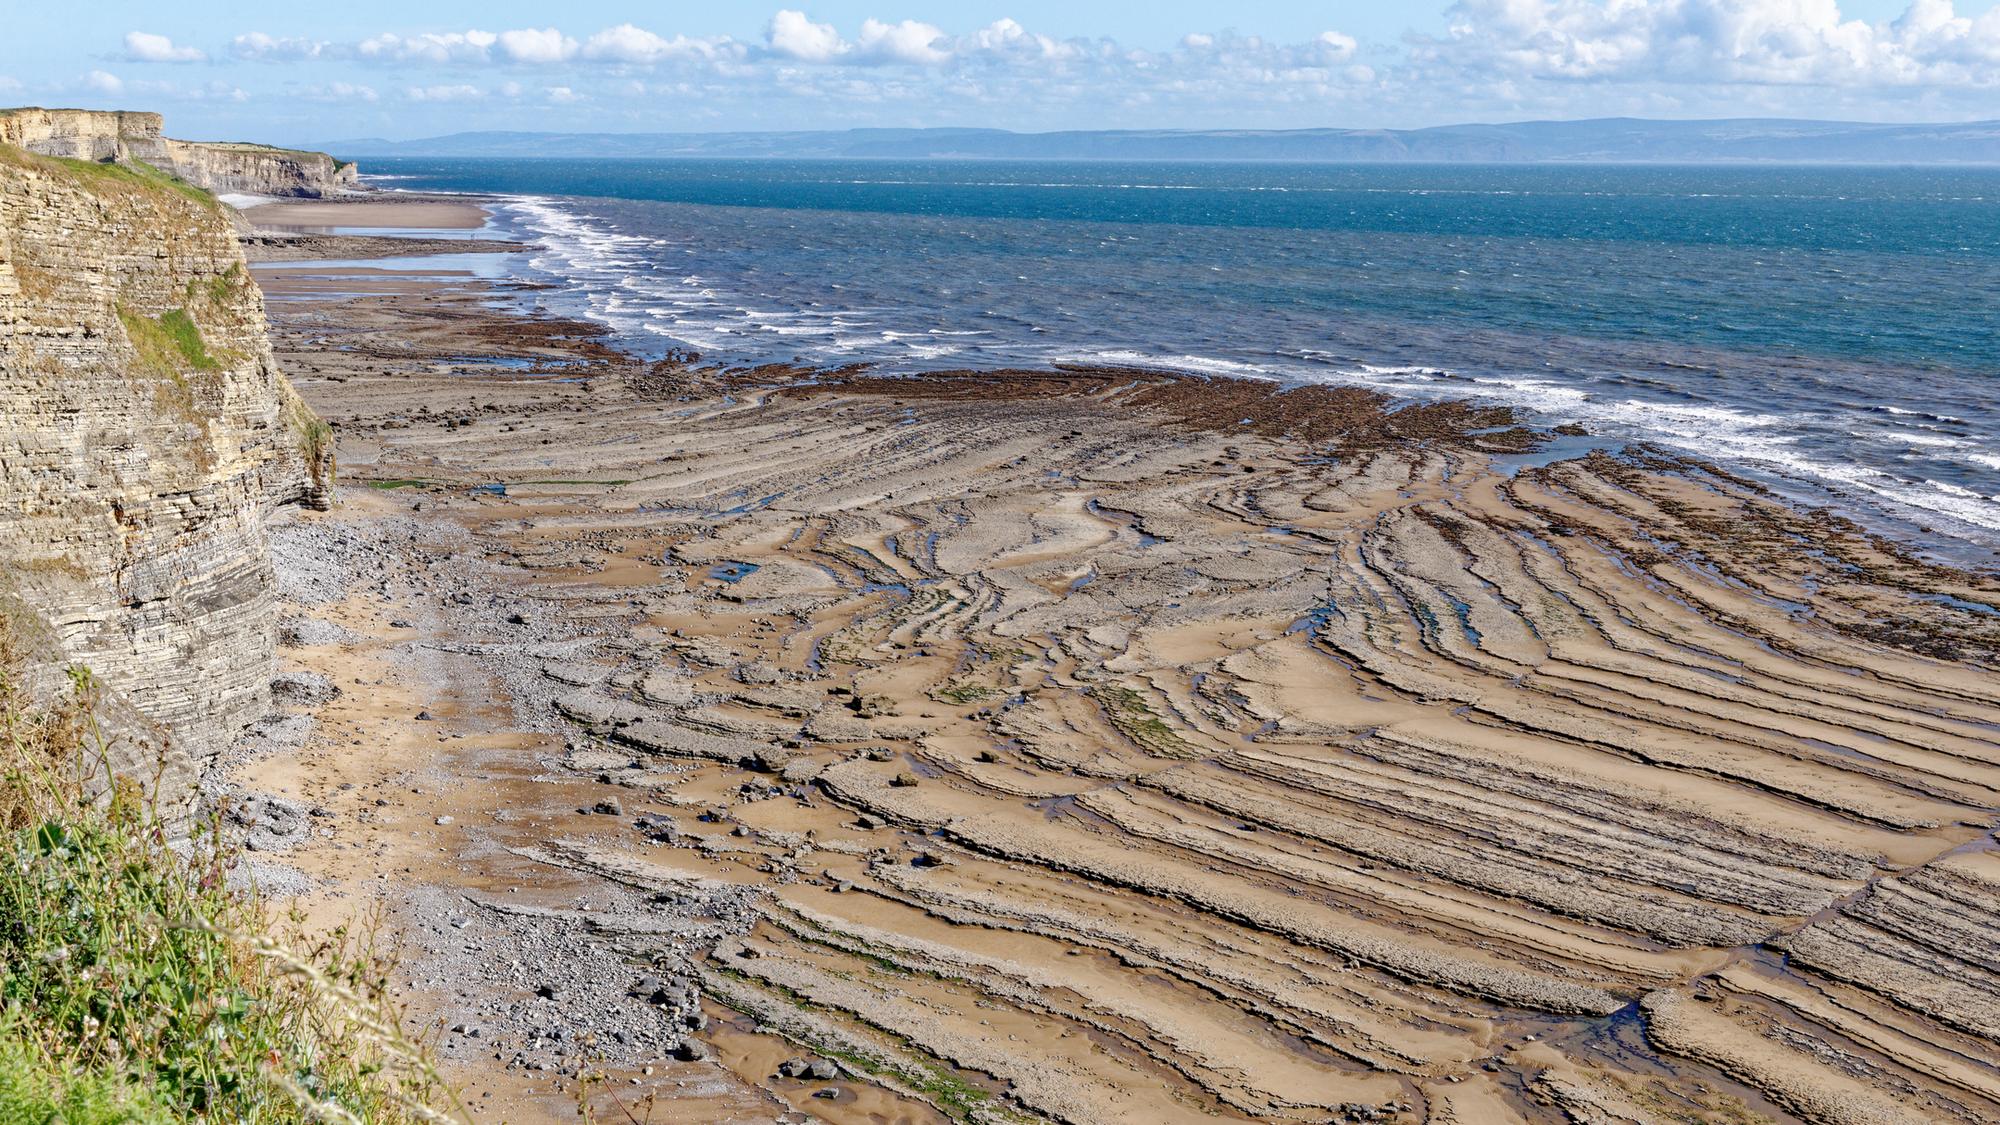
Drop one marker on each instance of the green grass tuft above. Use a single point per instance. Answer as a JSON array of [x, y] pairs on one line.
[[169, 343], [220, 288], [963, 693], [1128, 711], [35, 1088], [137, 986]]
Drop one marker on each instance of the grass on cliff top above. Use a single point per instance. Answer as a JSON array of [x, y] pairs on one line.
[[101, 175], [255, 146], [137, 987]]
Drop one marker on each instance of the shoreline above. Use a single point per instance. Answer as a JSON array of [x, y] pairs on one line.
[[1050, 744], [1929, 513]]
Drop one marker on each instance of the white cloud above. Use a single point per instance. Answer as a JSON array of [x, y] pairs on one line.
[[7, 83], [905, 42], [532, 45], [1006, 38], [341, 92], [460, 93], [999, 35], [103, 82], [628, 44], [448, 47], [1696, 42], [794, 35], [1493, 59], [260, 47], [144, 46], [1338, 46]]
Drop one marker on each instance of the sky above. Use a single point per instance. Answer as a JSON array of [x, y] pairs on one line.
[[298, 73]]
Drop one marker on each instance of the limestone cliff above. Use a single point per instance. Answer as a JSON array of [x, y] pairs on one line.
[[106, 135], [147, 435]]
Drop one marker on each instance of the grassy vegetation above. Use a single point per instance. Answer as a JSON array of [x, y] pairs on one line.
[[1128, 712], [962, 692], [137, 987], [221, 288], [394, 483], [168, 344], [255, 146], [316, 442], [131, 174], [315, 435], [170, 348], [33, 1092]]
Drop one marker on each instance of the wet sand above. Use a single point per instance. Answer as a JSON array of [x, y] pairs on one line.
[[305, 230], [419, 212], [1104, 747]]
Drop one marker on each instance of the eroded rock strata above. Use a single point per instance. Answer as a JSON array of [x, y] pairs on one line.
[[1102, 746], [147, 436], [99, 136]]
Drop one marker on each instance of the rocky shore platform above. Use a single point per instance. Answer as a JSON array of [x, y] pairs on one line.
[[752, 745]]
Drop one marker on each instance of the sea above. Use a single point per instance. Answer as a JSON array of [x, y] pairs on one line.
[[1834, 330]]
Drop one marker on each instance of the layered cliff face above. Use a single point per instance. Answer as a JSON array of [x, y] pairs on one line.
[[148, 434], [256, 170], [106, 135]]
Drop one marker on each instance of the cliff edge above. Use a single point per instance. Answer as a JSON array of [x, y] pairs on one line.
[[125, 136], [148, 435]]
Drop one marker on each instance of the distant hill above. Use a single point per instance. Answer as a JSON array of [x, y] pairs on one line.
[[1746, 140]]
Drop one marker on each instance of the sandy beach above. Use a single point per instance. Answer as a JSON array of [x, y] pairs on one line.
[[1101, 745], [322, 214]]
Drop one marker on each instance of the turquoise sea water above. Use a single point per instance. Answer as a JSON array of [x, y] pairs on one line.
[[1838, 328]]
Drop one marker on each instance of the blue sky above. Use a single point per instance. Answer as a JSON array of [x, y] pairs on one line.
[[315, 72]]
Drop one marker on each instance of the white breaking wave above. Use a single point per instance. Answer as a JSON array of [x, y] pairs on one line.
[[1717, 432], [624, 281], [1204, 365], [636, 286]]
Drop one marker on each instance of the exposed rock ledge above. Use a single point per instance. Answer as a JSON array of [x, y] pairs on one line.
[[148, 434], [107, 135]]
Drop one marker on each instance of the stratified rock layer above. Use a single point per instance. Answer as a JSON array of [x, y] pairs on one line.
[[107, 135], [1116, 748], [147, 435]]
